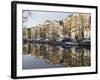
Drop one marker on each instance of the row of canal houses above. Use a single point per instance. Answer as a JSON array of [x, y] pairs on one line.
[[76, 26]]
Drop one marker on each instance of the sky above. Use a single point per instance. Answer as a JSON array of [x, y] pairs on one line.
[[33, 18]]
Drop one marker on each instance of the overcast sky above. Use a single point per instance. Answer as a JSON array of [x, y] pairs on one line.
[[33, 18]]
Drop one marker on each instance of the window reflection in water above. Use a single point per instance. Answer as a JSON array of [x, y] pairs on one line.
[[52, 56]]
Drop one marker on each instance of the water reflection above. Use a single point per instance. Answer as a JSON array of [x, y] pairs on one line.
[[52, 56]]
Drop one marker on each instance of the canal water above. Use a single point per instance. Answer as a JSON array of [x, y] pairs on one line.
[[37, 56]]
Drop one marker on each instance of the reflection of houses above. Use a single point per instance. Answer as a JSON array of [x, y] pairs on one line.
[[56, 55], [27, 48], [86, 58], [76, 57]]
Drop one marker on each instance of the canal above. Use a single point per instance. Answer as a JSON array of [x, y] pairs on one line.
[[37, 56]]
